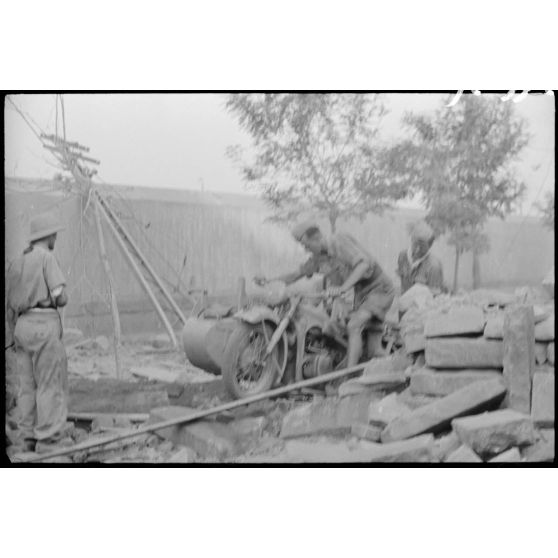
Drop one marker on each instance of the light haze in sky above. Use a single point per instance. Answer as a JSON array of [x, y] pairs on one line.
[[179, 140]]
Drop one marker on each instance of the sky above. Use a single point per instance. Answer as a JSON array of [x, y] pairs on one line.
[[180, 140]]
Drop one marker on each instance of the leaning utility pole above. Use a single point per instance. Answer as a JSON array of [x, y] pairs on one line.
[[72, 158]]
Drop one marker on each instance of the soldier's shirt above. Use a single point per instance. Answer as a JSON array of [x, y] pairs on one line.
[[32, 280], [428, 272], [339, 259]]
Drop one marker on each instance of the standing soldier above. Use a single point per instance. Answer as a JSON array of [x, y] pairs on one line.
[[418, 265], [346, 265], [35, 291]]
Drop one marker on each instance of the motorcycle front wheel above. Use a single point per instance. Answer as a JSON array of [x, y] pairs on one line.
[[246, 368]]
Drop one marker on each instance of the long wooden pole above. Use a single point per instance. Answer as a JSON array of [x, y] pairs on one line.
[[200, 414], [144, 260], [113, 303], [140, 277]]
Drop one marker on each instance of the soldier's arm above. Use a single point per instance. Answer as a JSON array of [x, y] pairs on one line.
[[356, 275], [351, 253], [307, 269], [55, 280]]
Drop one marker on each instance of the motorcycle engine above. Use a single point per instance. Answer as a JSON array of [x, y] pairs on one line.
[[316, 365]]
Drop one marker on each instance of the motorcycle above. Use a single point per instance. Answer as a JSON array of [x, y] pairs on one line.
[[286, 340]]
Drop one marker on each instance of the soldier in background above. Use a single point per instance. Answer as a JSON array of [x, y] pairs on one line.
[[35, 290], [417, 265]]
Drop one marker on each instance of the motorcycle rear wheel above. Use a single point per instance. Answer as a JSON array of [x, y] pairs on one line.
[[246, 370]]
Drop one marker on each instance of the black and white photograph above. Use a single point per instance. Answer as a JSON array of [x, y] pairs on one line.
[[279, 277]]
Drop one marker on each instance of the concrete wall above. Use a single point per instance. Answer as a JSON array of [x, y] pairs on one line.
[[224, 237]]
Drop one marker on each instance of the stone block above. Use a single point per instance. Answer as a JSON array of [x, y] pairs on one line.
[[463, 454], [367, 432], [383, 365], [330, 416], [437, 416], [380, 413], [541, 353], [416, 450], [414, 401], [488, 297], [325, 451], [249, 427], [461, 320], [542, 450], [184, 455], [494, 328], [550, 353], [541, 313], [445, 445], [433, 382], [414, 342], [519, 356], [418, 296], [382, 381], [544, 331], [350, 387], [460, 352], [211, 440], [494, 432], [510, 456], [542, 408]]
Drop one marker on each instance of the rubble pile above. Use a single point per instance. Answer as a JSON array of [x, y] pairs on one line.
[[472, 383]]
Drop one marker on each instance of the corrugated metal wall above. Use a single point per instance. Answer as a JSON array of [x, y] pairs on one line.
[[225, 237]]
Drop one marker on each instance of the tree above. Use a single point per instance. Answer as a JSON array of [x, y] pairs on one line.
[[313, 152], [459, 161], [547, 210]]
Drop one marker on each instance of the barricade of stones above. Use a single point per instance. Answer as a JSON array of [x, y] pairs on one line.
[[477, 385]]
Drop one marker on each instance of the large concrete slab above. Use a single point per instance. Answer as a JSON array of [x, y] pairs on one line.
[[417, 450], [460, 320], [494, 328], [519, 356], [541, 353], [461, 352], [510, 456], [367, 432], [550, 353], [494, 432], [433, 382], [380, 413], [438, 415], [542, 450], [208, 439], [445, 445], [544, 331], [542, 408], [463, 454], [330, 416]]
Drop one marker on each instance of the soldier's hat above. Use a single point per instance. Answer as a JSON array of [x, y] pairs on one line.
[[44, 225]]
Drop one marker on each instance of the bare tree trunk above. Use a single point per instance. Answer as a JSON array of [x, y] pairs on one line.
[[456, 269], [476, 270]]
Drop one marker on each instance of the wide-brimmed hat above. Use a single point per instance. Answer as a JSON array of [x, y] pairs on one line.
[[300, 229], [44, 225]]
